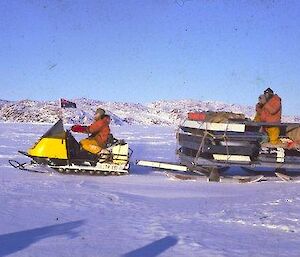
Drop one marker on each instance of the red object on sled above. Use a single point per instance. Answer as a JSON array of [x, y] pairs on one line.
[[196, 116]]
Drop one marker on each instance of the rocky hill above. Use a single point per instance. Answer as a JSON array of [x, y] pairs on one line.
[[159, 112]]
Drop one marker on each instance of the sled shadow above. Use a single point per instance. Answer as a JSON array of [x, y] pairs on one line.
[[17, 241], [154, 249]]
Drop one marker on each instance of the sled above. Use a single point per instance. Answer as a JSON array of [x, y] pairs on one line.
[[211, 147]]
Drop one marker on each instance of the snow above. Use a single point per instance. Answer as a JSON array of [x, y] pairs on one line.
[[142, 214]]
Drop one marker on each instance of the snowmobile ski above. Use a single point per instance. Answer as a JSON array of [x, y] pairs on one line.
[[26, 166]]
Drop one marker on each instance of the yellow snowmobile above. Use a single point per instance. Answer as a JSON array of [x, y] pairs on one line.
[[59, 150]]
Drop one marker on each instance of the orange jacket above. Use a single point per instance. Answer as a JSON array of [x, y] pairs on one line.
[[271, 111], [100, 130]]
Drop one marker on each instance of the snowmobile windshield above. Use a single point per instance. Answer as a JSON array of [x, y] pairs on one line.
[[56, 131]]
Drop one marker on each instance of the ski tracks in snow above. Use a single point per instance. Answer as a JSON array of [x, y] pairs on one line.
[[129, 212]]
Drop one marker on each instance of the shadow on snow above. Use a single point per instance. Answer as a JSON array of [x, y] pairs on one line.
[[17, 241], [155, 248]]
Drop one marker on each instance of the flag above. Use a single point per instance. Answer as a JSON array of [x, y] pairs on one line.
[[66, 104]]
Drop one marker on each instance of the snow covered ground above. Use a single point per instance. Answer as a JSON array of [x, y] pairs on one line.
[[143, 214]]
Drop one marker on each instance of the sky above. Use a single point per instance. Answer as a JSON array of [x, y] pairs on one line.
[[147, 50]]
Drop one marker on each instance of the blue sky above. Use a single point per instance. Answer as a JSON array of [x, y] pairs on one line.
[[140, 51]]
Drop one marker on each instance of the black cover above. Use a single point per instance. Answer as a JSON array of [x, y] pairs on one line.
[[251, 150], [75, 152]]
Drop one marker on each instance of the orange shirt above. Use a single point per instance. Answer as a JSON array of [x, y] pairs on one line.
[[100, 130]]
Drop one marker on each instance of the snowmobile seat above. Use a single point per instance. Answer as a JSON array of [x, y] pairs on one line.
[[111, 141]]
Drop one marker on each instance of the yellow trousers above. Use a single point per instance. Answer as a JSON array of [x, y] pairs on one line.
[[273, 133], [90, 145]]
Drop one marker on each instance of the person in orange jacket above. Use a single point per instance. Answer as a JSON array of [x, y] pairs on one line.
[[99, 131], [269, 109]]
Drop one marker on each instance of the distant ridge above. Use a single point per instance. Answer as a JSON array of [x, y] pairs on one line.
[[162, 112]]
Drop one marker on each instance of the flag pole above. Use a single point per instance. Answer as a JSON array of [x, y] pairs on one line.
[[60, 111]]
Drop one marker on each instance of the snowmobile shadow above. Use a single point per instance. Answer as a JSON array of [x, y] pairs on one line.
[[139, 170], [17, 241], [155, 248]]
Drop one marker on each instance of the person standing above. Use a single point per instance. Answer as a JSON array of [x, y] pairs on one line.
[[269, 109]]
